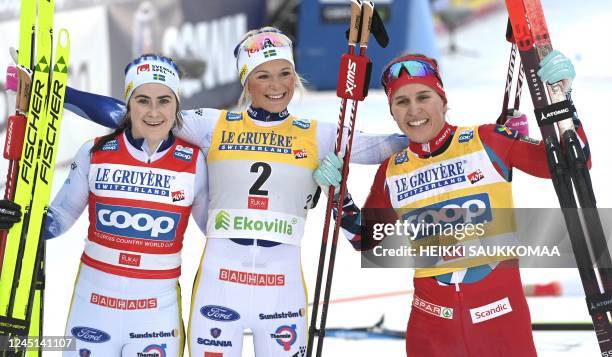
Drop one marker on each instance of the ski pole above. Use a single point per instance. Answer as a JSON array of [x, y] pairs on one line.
[[354, 72]]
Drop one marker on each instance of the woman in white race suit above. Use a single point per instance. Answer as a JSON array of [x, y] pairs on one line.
[[141, 184], [260, 166]]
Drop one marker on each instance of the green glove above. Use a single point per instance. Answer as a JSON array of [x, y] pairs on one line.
[[329, 172], [556, 67]]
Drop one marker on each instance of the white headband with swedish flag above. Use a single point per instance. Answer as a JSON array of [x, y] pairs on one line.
[[151, 69], [267, 45]]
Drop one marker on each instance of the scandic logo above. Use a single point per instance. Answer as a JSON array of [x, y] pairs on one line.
[[256, 279], [224, 221], [491, 311]]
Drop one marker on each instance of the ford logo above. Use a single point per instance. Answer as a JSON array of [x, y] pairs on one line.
[[219, 313], [89, 334]]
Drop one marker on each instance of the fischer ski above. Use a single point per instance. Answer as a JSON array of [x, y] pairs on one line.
[[31, 147], [568, 167]]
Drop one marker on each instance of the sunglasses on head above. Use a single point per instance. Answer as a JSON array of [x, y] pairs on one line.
[[411, 67], [263, 39]]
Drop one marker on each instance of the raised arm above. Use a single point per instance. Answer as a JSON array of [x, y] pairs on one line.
[[103, 110]]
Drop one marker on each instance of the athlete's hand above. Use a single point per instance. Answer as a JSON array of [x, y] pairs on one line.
[[329, 171], [10, 213], [517, 121], [556, 67]]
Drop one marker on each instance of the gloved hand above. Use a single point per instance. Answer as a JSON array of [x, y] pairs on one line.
[[556, 67], [10, 213], [517, 121], [329, 171]]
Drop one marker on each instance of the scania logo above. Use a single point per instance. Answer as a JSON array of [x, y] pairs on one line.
[[88, 334], [219, 313]]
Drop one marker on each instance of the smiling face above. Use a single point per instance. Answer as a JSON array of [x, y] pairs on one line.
[[271, 85], [153, 108], [418, 111]]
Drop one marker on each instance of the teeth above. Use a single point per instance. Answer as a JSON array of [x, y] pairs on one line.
[[418, 122], [153, 123], [279, 96]]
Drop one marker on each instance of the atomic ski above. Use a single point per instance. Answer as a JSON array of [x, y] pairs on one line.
[[567, 165], [22, 269]]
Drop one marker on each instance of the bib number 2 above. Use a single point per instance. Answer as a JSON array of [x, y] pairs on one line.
[[266, 170]]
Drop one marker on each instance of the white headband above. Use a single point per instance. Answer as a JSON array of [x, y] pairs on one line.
[[151, 69], [260, 48]]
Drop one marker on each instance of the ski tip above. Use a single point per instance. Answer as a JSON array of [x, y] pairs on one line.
[[64, 38]]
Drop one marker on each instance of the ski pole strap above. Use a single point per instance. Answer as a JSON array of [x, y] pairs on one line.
[[555, 112], [599, 303]]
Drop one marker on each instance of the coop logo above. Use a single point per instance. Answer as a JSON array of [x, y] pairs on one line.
[[466, 135], [224, 221], [183, 153], [88, 334], [231, 116], [301, 123], [219, 313], [430, 178], [153, 351], [143, 68], [469, 209], [138, 223], [256, 141], [285, 336], [401, 158], [112, 145], [130, 180]]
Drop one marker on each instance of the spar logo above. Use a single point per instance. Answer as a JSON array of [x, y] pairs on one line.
[[224, 221], [88, 334], [468, 209], [219, 313], [140, 223], [285, 336], [153, 351]]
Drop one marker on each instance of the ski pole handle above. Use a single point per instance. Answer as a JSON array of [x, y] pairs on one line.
[[366, 23], [355, 22], [24, 89]]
